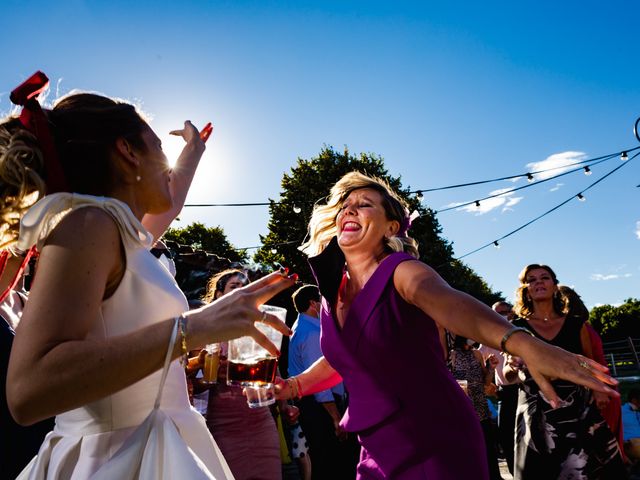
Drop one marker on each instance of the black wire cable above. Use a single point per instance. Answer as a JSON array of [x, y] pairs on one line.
[[495, 242], [525, 186], [589, 162], [527, 174]]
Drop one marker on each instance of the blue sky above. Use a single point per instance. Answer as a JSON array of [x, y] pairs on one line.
[[446, 92]]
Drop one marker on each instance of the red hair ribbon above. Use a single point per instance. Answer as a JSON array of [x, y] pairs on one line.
[[34, 119]]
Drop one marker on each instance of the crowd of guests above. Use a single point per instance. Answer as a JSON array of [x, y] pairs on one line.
[[102, 341]]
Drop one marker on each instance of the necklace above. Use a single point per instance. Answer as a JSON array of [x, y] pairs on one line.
[[544, 319]]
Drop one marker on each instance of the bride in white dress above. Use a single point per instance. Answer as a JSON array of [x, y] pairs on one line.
[[102, 310]]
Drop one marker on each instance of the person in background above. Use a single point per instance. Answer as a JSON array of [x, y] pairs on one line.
[[333, 453], [19, 443], [380, 308], [570, 439], [467, 364], [631, 423], [248, 437], [610, 407], [507, 394]]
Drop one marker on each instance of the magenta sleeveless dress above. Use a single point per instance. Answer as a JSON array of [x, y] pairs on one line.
[[412, 419]]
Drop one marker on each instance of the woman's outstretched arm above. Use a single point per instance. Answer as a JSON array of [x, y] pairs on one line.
[[462, 314]]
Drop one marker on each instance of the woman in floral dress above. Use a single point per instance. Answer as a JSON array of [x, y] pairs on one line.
[[571, 441]]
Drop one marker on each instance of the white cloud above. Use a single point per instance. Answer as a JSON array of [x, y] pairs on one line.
[[504, 198], [638, 230], [560, 162], [600, 277], [556, 187]]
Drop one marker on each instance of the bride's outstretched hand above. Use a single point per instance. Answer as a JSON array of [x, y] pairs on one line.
[[546, 363]]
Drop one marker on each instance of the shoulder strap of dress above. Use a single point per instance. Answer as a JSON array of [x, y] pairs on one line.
[[44, 216], [167, 362]]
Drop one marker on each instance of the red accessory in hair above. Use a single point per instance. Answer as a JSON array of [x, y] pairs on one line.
[[34, 119], [4, 259]]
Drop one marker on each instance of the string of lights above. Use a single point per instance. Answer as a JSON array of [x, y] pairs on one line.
[[529, 175], [586, 170], [584, 165], [580, 196]]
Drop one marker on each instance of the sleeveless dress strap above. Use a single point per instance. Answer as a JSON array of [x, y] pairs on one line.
[[167, 362], [48, 212]]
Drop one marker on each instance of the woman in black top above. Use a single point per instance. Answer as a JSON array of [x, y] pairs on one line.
[[572, 440]]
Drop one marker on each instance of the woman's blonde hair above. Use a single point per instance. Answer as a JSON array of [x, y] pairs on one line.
[[21, 181], [524, 305], [322, 226]]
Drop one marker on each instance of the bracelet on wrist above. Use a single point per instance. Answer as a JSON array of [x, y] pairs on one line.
[[507, 336], [182, 330]]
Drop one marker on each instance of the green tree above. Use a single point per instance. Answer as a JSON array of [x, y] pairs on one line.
[[310, 181], [210, 239], [617, 323]]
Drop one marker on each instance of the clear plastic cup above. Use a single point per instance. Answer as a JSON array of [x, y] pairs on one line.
[[211, 363]]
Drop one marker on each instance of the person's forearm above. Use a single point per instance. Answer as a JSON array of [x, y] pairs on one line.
[[318, 377], [332, 410], [182, 175], [67, 374]]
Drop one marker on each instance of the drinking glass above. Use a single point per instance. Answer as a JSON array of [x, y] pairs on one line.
[[251, 366]]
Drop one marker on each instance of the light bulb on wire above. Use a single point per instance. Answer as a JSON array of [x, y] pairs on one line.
[[624, 156], [581, 197], [496, 244], [296, 209], [477, 203], [530, 178], [587, 171], [419, 195]]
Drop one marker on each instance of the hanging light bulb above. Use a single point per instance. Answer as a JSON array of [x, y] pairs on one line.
[[478, 203], [419, 195], [587, 171], [496, 244], [530, 178], [581, 197], [624, 156], [296, 209], [274, 251]]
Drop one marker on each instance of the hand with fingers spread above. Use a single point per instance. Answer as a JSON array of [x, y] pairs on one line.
[[190, 134], [234, 315]]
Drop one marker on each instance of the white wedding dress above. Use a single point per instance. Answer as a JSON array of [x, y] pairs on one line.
[[123, 433]]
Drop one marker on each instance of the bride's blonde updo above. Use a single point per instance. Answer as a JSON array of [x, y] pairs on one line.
[[322, 226]]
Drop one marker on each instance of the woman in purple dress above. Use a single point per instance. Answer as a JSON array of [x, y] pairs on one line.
[[379, 335]]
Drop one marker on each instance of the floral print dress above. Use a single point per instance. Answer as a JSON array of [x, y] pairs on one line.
[[571, 442]]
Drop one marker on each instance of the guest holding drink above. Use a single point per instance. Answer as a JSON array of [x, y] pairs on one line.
[[569, 439], [103, 314], [379, 312], [467, 364], [247, 437]]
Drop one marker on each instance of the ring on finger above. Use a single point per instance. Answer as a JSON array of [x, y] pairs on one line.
[[264, 317], [584, 364]]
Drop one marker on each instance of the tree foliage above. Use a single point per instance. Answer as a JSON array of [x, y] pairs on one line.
[[617, 323], [310, 181], [210, 239]]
